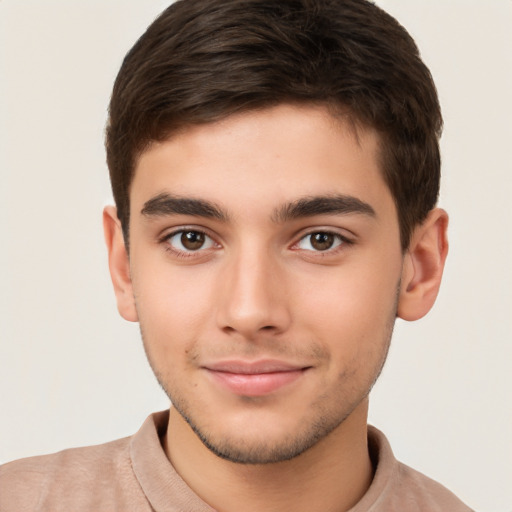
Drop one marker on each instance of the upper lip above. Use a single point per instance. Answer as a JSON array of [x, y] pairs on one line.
[[253, 367]]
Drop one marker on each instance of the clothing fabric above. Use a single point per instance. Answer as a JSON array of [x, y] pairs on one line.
[[134, 474]]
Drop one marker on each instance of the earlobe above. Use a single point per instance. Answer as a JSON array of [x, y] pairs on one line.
[[423, 266], [119, 264]]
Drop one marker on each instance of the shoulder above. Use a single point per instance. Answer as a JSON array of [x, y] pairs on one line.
[[398, 487], [423, 493], [31, 483]]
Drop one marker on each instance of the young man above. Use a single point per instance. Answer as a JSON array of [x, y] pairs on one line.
[[275, 168]]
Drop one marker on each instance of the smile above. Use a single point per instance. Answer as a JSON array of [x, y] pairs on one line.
[[255, 378]]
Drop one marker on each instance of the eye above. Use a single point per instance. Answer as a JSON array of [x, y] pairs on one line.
[[320, 241], [189, 240]]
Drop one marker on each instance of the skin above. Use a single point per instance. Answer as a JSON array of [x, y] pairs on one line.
[[268, 324]]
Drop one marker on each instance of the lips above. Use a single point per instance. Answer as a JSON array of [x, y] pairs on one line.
[[255, 378]]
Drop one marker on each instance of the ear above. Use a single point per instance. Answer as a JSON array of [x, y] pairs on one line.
[[423, 266], [119, 264]]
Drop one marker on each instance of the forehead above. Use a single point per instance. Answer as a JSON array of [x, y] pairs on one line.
[[259, 159]]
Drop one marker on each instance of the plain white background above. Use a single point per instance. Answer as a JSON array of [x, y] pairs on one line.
[[73, 373]]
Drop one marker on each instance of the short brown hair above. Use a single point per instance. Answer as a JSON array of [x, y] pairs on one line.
[[203, 60]]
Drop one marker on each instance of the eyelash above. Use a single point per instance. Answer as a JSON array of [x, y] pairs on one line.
[[342, 240], [165, 241]]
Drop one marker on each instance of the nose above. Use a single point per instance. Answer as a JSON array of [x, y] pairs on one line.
[[254, 295]]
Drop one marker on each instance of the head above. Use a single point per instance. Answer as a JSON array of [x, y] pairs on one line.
[[204, 60], [275, 167]]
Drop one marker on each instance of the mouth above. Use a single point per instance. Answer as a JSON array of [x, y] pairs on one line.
[[255, 378]]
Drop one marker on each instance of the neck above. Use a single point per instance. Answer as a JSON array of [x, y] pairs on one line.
[[333, 475]]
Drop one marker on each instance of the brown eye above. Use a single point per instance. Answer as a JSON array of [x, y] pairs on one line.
[[321, 241], [192, 240], [189, 240]]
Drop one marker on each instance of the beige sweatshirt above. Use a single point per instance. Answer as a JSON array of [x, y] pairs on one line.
[[134, 474]]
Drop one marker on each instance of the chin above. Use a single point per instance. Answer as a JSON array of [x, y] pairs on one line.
[[256, 442]]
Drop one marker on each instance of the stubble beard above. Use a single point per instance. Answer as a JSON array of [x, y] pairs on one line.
[[242, 452]]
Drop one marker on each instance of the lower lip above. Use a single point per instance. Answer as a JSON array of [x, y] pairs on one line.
[[257, 384]]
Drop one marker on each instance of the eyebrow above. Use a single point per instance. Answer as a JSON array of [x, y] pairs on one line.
[[323, 205], [166, 204]]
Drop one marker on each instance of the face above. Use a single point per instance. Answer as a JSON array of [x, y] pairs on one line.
[[265, 261]]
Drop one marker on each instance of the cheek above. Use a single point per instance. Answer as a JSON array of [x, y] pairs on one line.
[[173, 306], [351, 311], [347, 300]]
